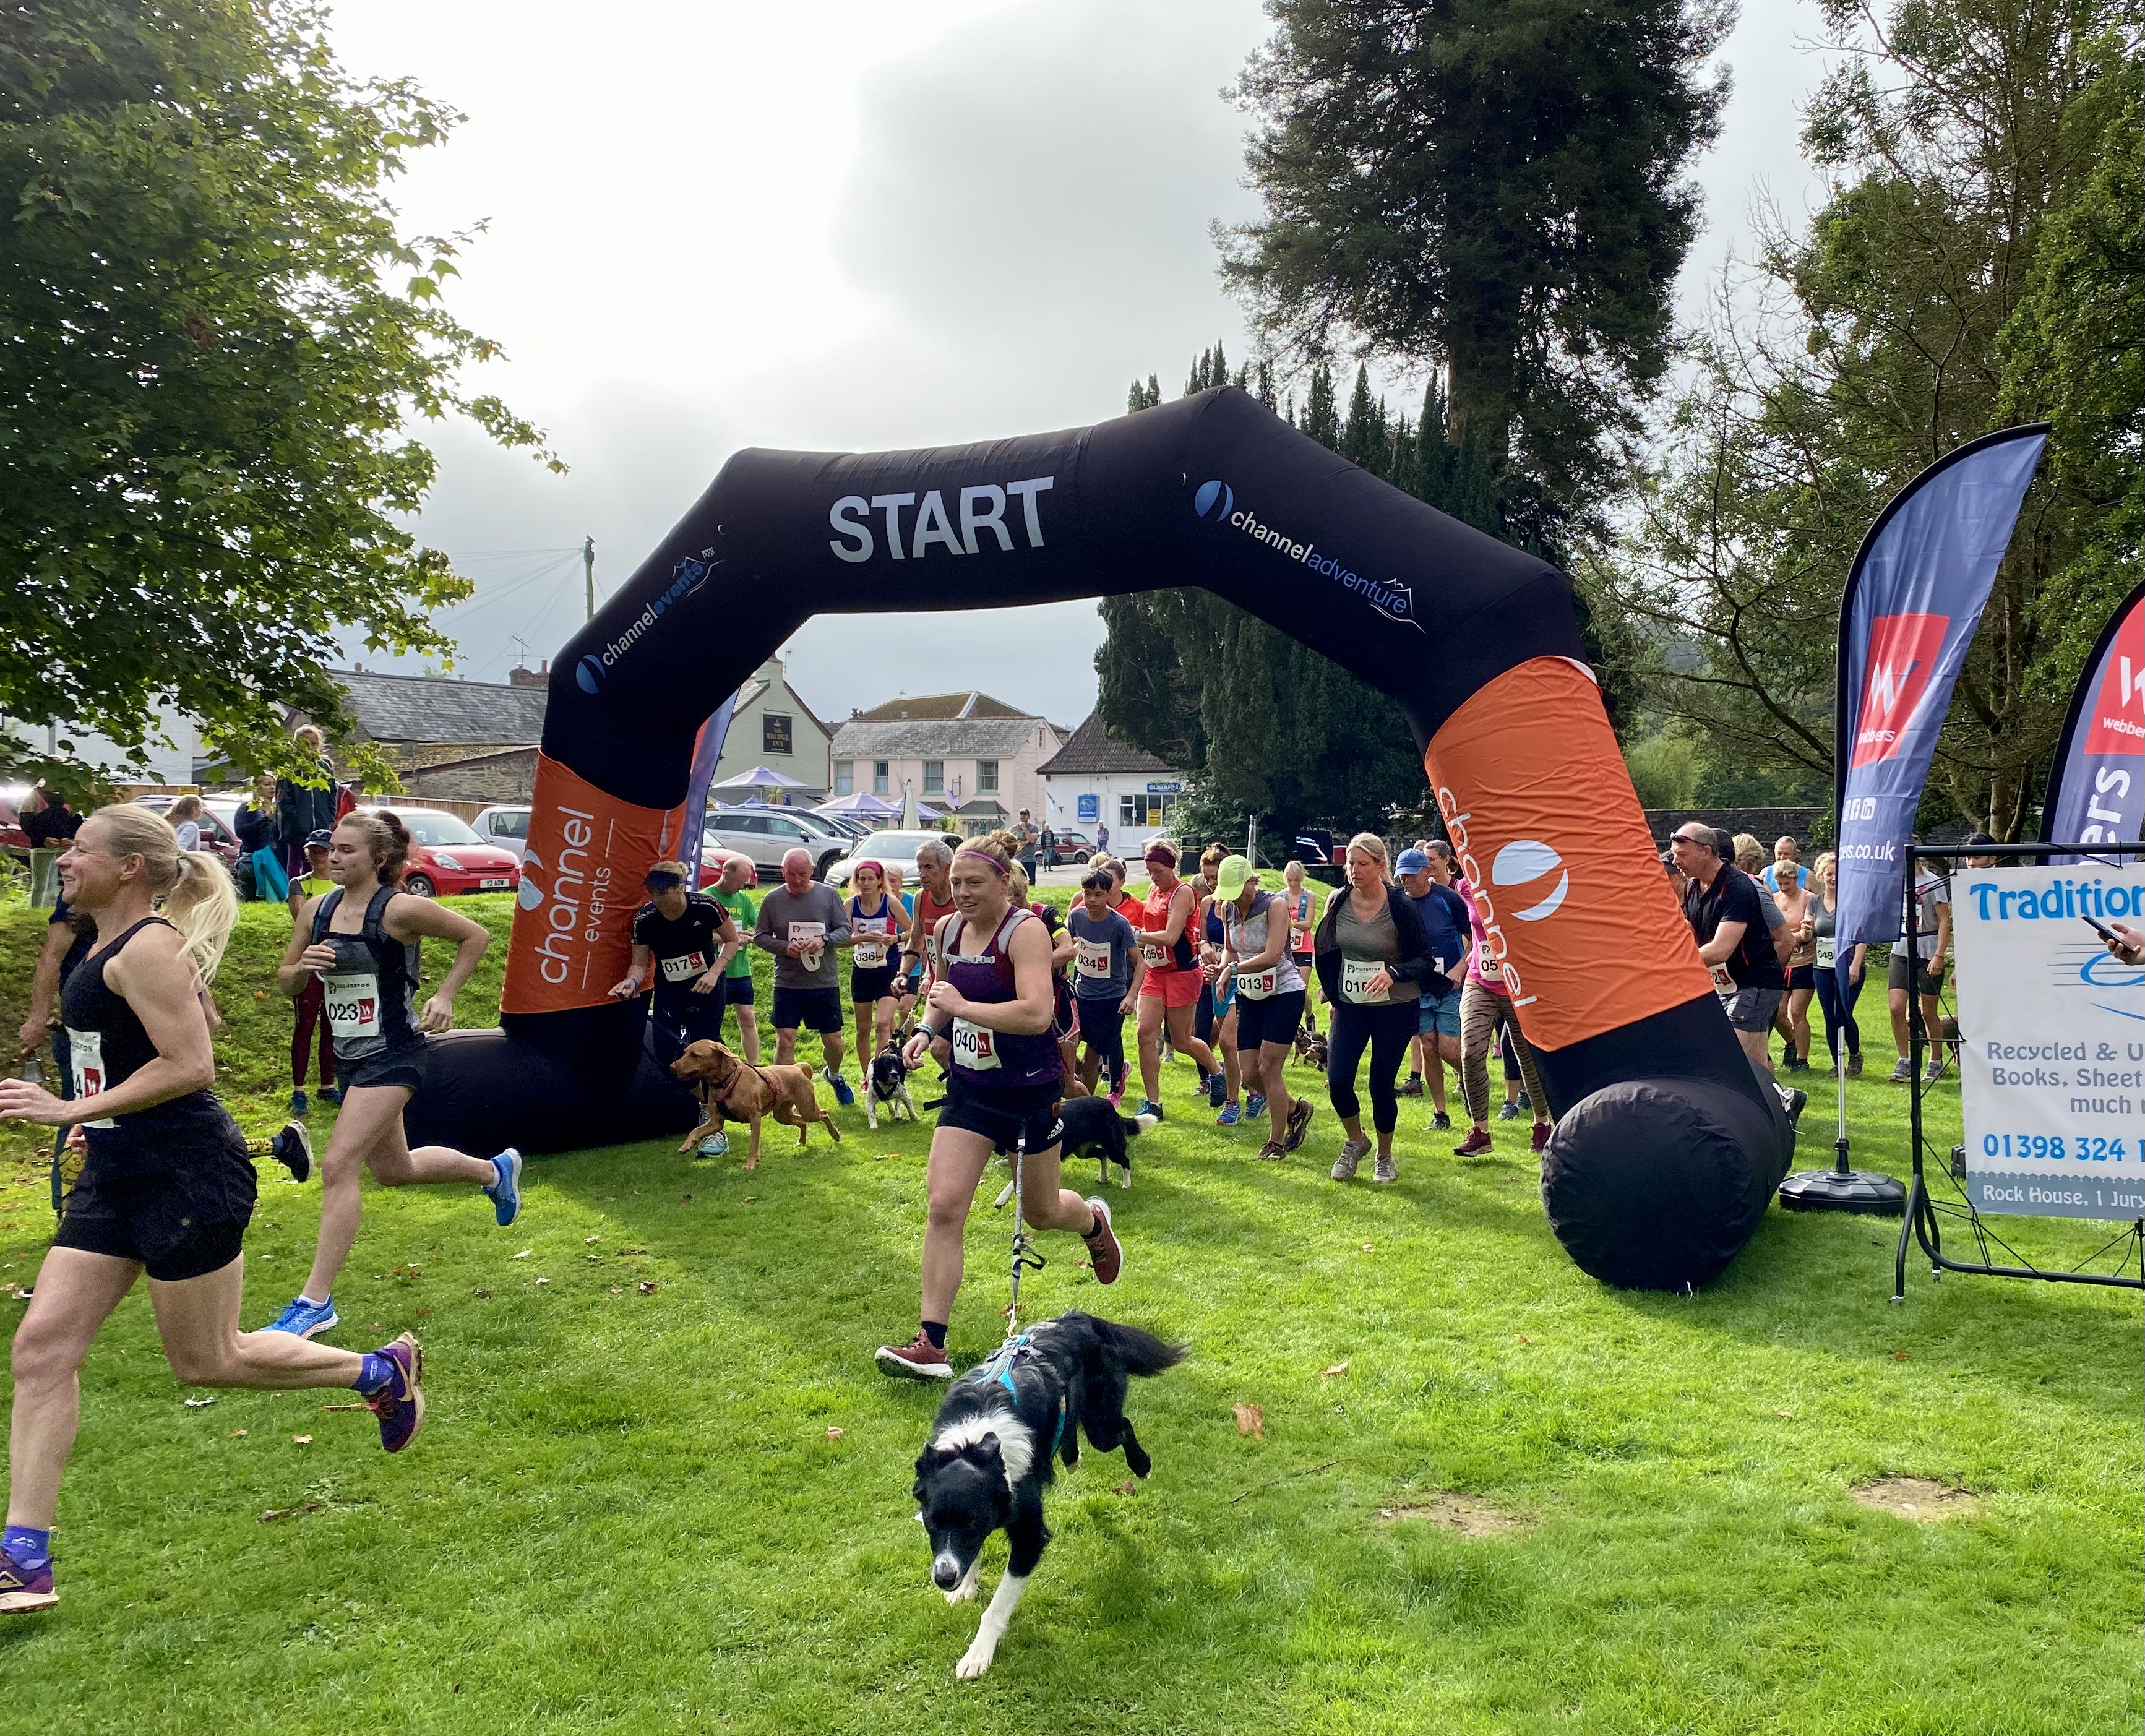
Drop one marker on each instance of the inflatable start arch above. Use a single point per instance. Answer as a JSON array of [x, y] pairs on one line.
[[1668, 1146]]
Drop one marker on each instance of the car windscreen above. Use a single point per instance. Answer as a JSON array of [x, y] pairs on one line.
[[435, 830]]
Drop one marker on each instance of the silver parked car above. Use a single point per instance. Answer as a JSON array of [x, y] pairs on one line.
[[506, 826], [890, 849], [765, 835]]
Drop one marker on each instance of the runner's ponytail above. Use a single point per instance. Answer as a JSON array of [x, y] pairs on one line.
[[192, 887]]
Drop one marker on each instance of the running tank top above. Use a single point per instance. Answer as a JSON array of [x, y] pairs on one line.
[[875, 950], [107, 1046], [995, 1060], [372, 998], [929, 913], [1154, 918]]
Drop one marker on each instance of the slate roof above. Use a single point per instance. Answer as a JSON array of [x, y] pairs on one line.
[[432, 709], [995, 738], [944, 708], [1092, 753]]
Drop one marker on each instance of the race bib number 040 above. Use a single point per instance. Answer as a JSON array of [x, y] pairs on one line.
[[974, 1047]]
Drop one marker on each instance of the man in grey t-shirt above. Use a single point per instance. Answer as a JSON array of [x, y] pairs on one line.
[[802, 922]]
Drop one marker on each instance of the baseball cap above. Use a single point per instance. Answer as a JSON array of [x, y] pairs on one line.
[[664, 874], [319, 839], [1413, 862], [1230, 877]]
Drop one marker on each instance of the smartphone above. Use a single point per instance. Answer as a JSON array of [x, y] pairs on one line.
[[2101, 928]]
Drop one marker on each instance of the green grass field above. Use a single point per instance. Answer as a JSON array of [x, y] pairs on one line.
[[688, 1510]]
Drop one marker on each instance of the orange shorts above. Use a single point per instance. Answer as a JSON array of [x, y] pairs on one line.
[[1176, 988]]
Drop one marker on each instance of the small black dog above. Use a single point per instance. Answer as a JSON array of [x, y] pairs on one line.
[[886, 1080], [991, 1446], [1093, 1128]]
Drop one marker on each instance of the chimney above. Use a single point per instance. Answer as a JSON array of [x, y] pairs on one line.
[[519, 677]]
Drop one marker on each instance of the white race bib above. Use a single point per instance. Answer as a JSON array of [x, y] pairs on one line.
[[1257, 985], [1155, 953], [974, 1047], [814, 936], [870, 952], [685, 968], [352, 1002], [1355, 974], [1092, 957], [1828, 951], [86, 1061], [1723, 985]]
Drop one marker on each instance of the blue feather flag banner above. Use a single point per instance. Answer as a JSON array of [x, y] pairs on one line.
[[1913, 601]]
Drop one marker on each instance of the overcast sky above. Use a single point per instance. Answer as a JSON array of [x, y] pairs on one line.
[[849, 225]]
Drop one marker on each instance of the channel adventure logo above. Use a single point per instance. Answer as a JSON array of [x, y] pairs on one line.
[[1902, 656], [688, 576], [1215, 502]]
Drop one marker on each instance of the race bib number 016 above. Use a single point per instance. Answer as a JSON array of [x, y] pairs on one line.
[[1356, 975]]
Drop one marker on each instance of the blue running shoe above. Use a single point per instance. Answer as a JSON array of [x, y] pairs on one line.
[[1149, 1106], [306, 1320], [843, 1095], [716, 1145], [1255, 1105], [505, 1193], [1218, 1088], [400, 1404], [331, 1094], [298, 1105], [1229, 1116], [25, 1588]]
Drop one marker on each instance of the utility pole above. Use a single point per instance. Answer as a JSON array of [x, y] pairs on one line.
[[589, 572]]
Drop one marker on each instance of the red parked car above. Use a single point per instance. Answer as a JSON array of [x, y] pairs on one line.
[[447, 858]]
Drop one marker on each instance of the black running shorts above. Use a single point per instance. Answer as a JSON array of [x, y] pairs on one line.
[[181, 1221], [1003, 1116]]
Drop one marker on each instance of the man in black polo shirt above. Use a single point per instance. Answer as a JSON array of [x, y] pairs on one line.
[[1722, 905]]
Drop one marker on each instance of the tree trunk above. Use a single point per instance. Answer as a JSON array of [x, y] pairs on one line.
[[1479, 400]]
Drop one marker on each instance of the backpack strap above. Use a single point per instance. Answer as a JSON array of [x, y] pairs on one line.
[[323, 911]]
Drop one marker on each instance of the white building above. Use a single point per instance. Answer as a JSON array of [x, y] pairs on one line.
[[770, 726], [1094, 785], [170, 761]]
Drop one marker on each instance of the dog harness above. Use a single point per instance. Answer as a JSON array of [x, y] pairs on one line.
[[999, 1369]]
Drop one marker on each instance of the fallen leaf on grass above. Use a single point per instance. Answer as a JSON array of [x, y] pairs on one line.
[[683, 1199], [1129, 1486], [1521, 1338], [1898, 1355], [543, 1280], [589, 1240], [345, 1407], [1790, 1415], [833, 1433], [480, 1295], [614, 1290], [1367, 1247], [1338, 1368], [593, 1259], [235, 1435], [200, 1404], [302, 1440], [647, 1289], [752, 1199], [422, 1313], [525, 1253], [273, 1513], [1251, 1420]]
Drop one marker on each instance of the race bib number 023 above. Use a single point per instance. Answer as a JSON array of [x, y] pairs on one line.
[[2053, 1042]]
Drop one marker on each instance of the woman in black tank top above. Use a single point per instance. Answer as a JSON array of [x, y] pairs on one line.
[[362, 939], [165, 1185]]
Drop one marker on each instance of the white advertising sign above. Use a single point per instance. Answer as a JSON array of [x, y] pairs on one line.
[[2053, 1028]]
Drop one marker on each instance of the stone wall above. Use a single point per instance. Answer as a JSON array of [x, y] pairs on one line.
[[507, 776], [1763, 823]]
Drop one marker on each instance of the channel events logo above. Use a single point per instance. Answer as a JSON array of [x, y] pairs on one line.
[[1902, 656], [1215, 502], [688, 576]]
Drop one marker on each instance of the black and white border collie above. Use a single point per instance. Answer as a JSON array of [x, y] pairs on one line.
[[1091, 1127], [993, 1444]]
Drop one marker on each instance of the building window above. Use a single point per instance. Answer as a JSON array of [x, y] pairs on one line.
[[935, 776], [879, 776], [845, 777], [1144, 810], [987, 777], [775, 731]]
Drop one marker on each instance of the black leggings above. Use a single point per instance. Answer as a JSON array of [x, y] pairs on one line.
[[1839, 1011], [1388, 1031]]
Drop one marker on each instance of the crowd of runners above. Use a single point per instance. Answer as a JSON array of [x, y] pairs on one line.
[[1019, 1004]]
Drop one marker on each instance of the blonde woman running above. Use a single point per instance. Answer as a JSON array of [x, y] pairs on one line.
[[165, 1186]]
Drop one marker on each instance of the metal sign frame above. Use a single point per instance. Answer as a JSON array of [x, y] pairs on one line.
[[1925, 1213]]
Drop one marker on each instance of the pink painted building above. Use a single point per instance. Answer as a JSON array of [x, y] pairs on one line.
[[967, 754]]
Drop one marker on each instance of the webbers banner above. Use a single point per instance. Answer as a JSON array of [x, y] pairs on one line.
[[2053, 1042], [2097, 785]]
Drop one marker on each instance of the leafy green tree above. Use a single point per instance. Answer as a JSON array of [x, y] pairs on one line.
[[1928, 302], [1493, 187], [213, 340]]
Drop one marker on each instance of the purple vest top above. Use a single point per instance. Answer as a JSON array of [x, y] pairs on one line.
[[995, 1060]]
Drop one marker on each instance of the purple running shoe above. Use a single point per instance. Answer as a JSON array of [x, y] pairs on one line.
[[400, 1404]]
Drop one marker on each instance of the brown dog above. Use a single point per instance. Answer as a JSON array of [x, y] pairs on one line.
[[729, 1086]]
